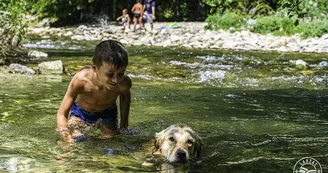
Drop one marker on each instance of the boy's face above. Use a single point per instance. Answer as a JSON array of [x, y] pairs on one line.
[[109, 75]]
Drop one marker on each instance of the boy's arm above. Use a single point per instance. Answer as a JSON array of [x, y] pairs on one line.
[[125, 101], [119, 18], [63, 111], [132, 10], [153, 14]]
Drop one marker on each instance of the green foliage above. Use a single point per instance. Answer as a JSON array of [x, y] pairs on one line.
[[291, 8], [12, 24], [266, 24], [243, 7], [225, 21], [303, 8], [14, 18], [287, 26], [261, 7], [315, 28], [68, 11], [274, 24], [316, 8]]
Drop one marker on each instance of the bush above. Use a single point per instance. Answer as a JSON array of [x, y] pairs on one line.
[[274, 24], [12, 25], [315, 28], [266, 24], [225, 21], [287, 26], [15, 15]]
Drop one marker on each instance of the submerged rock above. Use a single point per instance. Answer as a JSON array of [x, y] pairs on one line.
[[21, 69], [51, 67], [37, 54]]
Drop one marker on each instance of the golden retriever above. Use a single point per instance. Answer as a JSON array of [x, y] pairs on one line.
[[177, 143]]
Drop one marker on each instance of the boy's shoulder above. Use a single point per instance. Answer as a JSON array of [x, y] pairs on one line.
[[126, 84], [83, 76], [86, 71]]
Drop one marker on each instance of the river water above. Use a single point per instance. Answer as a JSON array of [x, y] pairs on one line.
[[256, 112]]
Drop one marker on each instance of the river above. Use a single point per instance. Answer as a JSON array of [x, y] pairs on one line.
[[255, 111]]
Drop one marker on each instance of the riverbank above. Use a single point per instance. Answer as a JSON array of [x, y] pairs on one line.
[[186, 35]]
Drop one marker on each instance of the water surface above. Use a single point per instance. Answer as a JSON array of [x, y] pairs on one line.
[[256, 112]]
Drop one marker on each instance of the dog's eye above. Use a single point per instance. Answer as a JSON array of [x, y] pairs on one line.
[[171, 139], [190, 141]]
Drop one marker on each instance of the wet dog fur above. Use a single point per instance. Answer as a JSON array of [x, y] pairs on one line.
[[177, 144]]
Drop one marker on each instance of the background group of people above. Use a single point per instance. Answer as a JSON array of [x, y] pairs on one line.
[[142, 13]]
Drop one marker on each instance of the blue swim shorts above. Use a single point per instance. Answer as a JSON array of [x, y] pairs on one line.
[[108, 115]]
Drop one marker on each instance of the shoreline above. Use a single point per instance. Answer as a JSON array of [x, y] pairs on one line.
[[188, 35]]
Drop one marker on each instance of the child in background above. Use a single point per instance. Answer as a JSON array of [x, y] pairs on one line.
[[125, 19]]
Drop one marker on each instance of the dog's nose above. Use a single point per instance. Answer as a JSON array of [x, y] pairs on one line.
[[181, 155]]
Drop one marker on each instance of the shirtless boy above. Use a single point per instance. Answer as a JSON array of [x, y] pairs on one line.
[[137, 14], [92, 93]]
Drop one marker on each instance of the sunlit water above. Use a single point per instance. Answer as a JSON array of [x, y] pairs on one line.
[[256, 112]]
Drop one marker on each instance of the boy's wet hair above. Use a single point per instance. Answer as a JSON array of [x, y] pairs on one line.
[[110, 51]]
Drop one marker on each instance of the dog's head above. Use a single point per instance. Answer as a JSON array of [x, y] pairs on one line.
[[178, 143]]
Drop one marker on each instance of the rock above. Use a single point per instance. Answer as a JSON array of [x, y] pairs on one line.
[[191, 35], [299, 64], [18, 68], [51, 67], [323, 64], [37, 54], [147, 164], [81, 28], [324, 37], [68, 34]]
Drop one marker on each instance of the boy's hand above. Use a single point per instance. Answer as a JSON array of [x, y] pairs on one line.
[[64, 133]]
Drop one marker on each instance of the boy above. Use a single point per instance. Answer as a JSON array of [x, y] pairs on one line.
[[149, 8], [137, 14], [92, 93], [125, 19]]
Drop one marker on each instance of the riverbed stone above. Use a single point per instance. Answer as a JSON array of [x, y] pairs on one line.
[[21, 69], [37, 54], [189, 34], [51, 67]]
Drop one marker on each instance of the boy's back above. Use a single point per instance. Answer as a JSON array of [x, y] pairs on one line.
[[137, 8]]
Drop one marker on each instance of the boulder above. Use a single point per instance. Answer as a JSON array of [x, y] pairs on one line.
[[51, 67], [18, 68]]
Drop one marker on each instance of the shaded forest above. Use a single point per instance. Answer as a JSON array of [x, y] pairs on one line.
[[89, 10]]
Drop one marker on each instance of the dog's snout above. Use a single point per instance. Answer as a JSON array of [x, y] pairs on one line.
[[181, 155]]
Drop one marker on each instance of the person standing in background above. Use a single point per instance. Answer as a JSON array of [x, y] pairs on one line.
[[149, 11], [137, 11]]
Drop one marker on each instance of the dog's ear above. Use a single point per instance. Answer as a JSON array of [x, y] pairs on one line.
[[158, 143], [156, 149]]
